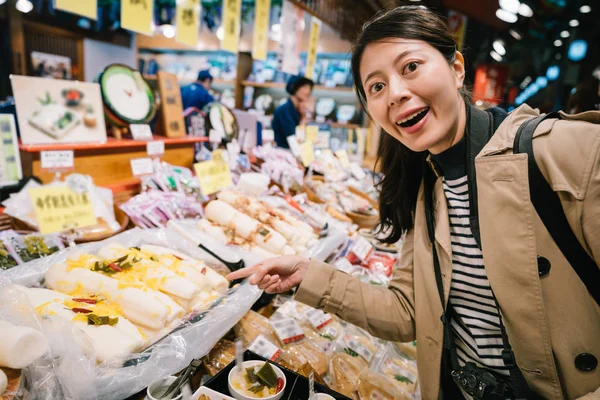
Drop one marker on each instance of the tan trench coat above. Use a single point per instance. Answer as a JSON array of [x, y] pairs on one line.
[[550, 319]]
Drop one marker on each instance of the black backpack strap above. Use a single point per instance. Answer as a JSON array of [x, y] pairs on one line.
[[549, 208]]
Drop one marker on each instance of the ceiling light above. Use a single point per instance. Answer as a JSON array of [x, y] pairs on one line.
[[515, 34], [558, 42], [506, 16], [221, 33], [168, 31], [573, 23], [496, 56], [2, 2], [525, 11], [585, 9], [512, 6], [499, 47], [553, 72], [565, 34], [578, 50], [542, 81], [24, 6]]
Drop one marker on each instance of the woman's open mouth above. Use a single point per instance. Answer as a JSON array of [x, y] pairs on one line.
[[414, 119]]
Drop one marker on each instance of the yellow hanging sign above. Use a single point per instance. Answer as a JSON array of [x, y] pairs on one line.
[[58, 208], [214, 175], [188, 21], [260, 41], [342, 155], [312, 132], [87, 8], [315, 30], [307, 153], [232, 20], [136, 15]]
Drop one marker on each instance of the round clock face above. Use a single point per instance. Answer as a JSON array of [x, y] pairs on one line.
[[324, 106], [127, 95], [221, 119]]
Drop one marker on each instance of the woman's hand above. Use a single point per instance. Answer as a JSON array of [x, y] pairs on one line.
[[276, 275]]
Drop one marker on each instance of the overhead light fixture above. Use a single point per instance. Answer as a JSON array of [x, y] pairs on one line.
[[573, 23], [24, 6], [553, 72], [558, 42], [542, 81], [578, 50], [221, 33], [515, 34], [168, 31], [496, 56], [499, 47], [506, 16], [525, 11], [585, 9], [512, 6], [2, 2], [565, 34]]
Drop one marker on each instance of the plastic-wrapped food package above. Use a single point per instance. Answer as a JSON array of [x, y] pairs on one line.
[[8, 259], [358, 343], [74, 363], [375, 386], [154, 209], [219, 357], [396, 366], [408, 349], [344, 371], [31, 246], [282, 167]]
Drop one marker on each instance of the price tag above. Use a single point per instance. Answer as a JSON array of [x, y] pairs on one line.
[[155, 148], [357, 171], [58, 208], [357, 347], [342, 155], [57, 160], [287, 330], [215, 136], [362, 248], [141, 131], [141, 166], [265, 348], [213, 175], [294, 145], [312, 133], [307, 153], [301, 133], [318, 319]]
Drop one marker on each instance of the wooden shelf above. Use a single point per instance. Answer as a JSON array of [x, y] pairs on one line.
[[278, 85], [215, 81], [111, 143], [347, 126]]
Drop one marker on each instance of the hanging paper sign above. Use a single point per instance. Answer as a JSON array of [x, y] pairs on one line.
[[213, 175], [342, 155], [188, 21], [57, 160], [232, 20], [289, 54], [260, 40], [307, 153], [141, 131], [137, 15], [315, 30], [141, 166], [10, 160], [312, 133], [57, 208], [87, 8]]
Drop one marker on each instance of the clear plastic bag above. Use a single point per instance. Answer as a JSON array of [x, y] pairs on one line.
[[398, 367], [73, 366]]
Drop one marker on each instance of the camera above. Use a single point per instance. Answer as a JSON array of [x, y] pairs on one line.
[[480, 383]]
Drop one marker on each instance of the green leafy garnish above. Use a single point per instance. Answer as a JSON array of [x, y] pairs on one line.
[[257, 387], [402, 379], [98, 320], [351, 352]]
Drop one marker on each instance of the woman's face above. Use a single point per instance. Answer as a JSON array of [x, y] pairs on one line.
[[412, 93]]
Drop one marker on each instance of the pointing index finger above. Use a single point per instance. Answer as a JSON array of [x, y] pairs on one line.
[[243, 273]]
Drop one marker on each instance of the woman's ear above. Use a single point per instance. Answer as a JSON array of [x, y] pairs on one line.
[[458, 66]]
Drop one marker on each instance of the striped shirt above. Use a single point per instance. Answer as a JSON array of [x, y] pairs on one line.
[[476, 321]]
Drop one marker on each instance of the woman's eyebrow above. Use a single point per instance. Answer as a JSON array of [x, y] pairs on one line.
[[398, 58]]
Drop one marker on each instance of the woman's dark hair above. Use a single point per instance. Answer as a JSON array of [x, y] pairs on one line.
[[402, 168], [296, 82]]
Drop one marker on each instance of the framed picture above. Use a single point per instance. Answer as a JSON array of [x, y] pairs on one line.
[[50, 65], [10, 161], [58, 111]]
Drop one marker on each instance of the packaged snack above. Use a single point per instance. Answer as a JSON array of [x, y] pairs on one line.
[[7, 260], [219, 357], [32, 246], [358, 343], [396, 366], [375, 386], [344, 372], [251, 326], [408, 349]]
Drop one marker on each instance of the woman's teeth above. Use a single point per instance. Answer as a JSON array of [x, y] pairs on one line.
[[413, 119]]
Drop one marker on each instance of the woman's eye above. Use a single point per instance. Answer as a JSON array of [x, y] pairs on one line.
[[411, 67], [378, 87]]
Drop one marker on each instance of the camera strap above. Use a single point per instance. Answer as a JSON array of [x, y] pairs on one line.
[[479, 129]]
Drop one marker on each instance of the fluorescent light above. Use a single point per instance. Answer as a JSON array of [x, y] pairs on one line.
[[496, 56], [168, 30], [479, 103], [512, 6], [565, 34], [221, 33], [24, 6], [573, 23], [506, 16], [515, 34], [558, 42], [585, 9], [525, 11], [499, 47]]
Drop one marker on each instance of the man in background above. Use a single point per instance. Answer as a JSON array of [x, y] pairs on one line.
[[197, 94]]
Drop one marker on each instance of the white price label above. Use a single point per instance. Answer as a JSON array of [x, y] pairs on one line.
[[264, 348], [287, 330], [141, 166], [344, 265], [358, 348], [362, 248], [155, 148], [141, 131], [294, 145], [318, 319], [57, 159], [215, 136]]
